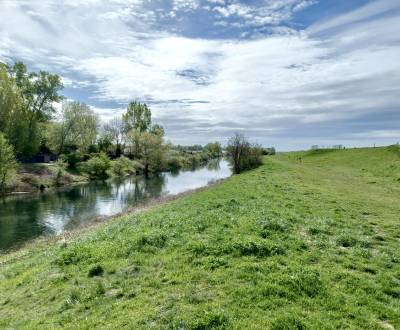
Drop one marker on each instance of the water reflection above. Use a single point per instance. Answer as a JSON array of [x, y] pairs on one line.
[[25, 217]]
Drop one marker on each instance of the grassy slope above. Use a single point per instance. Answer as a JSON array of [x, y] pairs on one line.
[[310, 243]]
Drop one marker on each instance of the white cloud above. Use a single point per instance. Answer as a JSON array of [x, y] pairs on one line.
[[292, 88]]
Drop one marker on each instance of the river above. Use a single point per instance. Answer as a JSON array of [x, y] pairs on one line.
[[23, 218]]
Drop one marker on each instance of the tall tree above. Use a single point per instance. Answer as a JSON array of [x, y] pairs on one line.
[[38, 91], [77, 127], [137, 116], [116, 131], [13, 114], [152, 151], [7, 162]]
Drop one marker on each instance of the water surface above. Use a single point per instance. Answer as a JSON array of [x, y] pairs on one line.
[[23, 218]]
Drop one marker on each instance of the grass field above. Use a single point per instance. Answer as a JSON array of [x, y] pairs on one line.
[[309, 240]]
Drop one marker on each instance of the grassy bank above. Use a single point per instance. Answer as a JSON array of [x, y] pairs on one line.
[[308, 240]]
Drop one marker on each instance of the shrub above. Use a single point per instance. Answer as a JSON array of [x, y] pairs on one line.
[[214, 149], [72, 158], [243, 154], [96, 167], [60, 171], [268, 151], [96, 270], [175, 162], [124, 166]]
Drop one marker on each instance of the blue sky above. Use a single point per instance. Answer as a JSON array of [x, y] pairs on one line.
[[288, 73]]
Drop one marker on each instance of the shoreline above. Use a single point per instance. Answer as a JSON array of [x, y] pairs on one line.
[[98, 221]]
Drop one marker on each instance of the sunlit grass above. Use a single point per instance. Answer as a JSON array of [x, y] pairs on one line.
[[308, 240]]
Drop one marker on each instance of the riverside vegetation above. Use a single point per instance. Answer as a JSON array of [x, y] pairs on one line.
[[308, 240], [31, 128]]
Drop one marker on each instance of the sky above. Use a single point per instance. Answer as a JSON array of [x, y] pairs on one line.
[[285, 73]]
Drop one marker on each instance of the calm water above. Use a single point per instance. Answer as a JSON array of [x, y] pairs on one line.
[[23, 218]]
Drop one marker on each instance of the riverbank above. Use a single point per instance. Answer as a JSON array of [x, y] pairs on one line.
[[308, 240], [32, 178]]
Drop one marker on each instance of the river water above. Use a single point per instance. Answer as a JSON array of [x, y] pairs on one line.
[[23, 218]]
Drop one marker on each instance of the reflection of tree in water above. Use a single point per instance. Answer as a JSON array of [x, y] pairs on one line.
[[25, 217], [18, 221], [214, 164], [80, 205], [144, 188]]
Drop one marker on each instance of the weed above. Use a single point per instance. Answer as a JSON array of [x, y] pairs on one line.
[[96, 270]]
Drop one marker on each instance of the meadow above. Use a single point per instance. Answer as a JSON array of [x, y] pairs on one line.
[[309, 240]]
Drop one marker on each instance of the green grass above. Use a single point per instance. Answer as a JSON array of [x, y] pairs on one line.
[[307, 241]]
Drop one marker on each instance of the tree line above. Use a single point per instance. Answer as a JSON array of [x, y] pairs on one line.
[[127, 144]]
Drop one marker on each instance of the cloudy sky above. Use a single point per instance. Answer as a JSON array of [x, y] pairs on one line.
[[288, 73]]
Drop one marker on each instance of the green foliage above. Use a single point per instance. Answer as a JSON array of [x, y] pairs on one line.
[[7, 163], [60, 168], [77, 128], [14, 117], [137, 117], [96, 270], [97, 167], [268, 151], [214, 149], [34, 96], [153, 152], [243, 155], [115, 131], [39, 91], [124, 166], [157, 130]]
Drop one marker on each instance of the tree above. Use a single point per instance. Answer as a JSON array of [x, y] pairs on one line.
[[38, 92], [133, 139], [152, 151], [137, 116], [157, 130], [77, 128], [13, 115], [7, 163], [115, 130], [214, 149], [243, 154]]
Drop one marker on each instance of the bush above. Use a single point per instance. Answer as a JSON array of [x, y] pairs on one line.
[[243, 154], [175, 162], [124, 166], [214, 150], [72, 158], [96, 167], [268, 151], [96, 270], [60, 171]]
